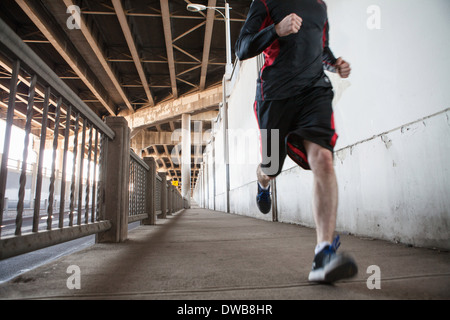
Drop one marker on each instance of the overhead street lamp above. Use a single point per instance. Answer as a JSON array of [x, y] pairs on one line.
[[199, 7], [196, 7]]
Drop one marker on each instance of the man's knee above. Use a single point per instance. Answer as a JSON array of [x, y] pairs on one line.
[[321, 160]]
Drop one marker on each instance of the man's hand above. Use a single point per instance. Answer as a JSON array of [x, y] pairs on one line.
[[343, 68], [289, 25]]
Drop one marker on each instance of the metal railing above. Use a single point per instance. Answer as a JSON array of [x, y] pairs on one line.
[[49, 109], [52, 114]]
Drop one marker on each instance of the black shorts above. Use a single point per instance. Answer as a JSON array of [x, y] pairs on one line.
[[284, 124]]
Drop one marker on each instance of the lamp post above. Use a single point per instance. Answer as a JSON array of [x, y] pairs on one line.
[[227, 77], [200, 7]]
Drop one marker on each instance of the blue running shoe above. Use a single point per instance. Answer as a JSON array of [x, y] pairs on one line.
[[329, 266], [263, 200]]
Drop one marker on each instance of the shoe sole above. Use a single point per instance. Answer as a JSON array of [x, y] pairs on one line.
[[263, 212], [342, 267], [261, 209]]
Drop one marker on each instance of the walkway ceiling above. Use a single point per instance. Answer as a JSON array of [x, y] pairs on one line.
[[129, 54]]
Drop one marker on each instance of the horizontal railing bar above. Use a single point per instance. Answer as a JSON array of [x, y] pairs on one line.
[[16, 245], [138, 160], [137, 217], [23, 52]]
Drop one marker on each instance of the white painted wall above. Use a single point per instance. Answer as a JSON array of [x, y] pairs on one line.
[[393, 120], [400, 72]]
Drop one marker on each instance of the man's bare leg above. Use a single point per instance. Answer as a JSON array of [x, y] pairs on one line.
[[328, 266], [325, 193], [263, 179]]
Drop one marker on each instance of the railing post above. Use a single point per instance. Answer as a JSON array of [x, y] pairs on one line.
[[150, 192], [117, 162], [163, 176]]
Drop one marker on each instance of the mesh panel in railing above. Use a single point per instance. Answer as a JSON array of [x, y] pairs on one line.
[[137, 186]]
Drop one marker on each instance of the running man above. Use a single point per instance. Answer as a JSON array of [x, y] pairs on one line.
[[294, 97]]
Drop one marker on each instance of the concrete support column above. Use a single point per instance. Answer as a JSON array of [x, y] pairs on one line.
[[169, 198], [198, 141], [224, 110], [213, 165], [163, 176], [150, 192], [186, 158], [117, 166], [206, 185]]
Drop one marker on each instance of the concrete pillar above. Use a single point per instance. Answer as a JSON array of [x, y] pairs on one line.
[[169, 197], [213, 165], [224, 110], [163, 176], [117, 166], [198, 140], [150, 192], [174, 199], [186, 158], [206, 185]]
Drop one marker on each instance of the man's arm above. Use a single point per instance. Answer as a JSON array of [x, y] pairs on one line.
[[257, 33], [330, 63], [328, 58]]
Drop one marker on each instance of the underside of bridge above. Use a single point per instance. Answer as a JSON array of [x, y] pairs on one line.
[[142, 59]]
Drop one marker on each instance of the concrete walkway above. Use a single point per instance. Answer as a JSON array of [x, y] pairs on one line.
[[202, 254]]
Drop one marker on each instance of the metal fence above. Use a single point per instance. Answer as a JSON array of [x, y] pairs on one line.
[[137, 190], [49, 112], [46, 108]]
